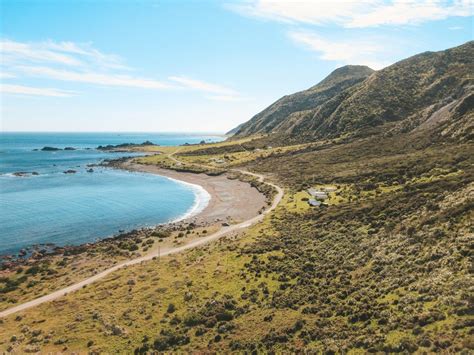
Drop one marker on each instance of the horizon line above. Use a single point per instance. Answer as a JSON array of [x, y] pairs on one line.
[[124, 132]]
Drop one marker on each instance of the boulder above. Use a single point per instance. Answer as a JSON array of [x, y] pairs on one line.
[[20, 173]]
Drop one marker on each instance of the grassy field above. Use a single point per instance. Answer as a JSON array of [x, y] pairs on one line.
[[385, 267]]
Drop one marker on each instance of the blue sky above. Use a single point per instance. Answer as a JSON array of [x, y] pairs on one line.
[[195, 65]]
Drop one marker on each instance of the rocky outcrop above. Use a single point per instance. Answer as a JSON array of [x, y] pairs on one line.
[[50, 149]]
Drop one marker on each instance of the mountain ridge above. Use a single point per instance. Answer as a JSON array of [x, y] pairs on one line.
[[404, 96], [339, 80]]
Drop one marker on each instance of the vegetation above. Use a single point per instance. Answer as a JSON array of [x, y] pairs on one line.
[[384, 266], [432, 90]]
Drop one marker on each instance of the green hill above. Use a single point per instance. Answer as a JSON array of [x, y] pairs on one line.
[[429, 91], [276, 116]]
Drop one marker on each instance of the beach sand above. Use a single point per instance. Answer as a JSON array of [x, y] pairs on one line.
[[231, 200]]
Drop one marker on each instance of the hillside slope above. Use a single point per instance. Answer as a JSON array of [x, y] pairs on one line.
[[271, 119], [429, 91]]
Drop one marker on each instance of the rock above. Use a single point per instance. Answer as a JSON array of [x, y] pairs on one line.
[[50, 149], [148, 143], [22, 252], [69, 148], [90, 170], [20, 173], [70, 171], [35, 173], [125, 146]]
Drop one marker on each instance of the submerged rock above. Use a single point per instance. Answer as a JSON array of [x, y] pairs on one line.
[[21, 173], [24, 173], [50, 149], [70, 148], [90, 170], [70, 171]]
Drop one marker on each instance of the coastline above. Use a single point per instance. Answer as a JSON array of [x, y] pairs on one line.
[[230, 200], [202, 198], [228, 204], [220, 201]]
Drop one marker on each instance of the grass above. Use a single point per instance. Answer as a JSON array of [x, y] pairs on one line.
[[386, 259]]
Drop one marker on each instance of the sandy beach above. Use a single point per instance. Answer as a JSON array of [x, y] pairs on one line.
[[231, 200]]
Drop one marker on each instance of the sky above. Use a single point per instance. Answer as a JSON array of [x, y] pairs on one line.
[[195, 66]]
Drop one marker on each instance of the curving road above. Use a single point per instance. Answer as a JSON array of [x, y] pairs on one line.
[[195, 243]]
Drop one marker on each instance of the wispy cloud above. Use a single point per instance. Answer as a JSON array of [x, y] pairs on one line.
[[104, 79], [59, 53], [35, 91], [226, 98], [82, 63], [351, 13], [347, 51], [4, 75], [222, 93], [411, 12]]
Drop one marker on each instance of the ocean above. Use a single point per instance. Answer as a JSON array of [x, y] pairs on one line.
[[45, 205]]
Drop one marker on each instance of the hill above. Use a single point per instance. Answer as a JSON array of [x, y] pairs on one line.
[[273, 118], [383, 265], [429, 91]]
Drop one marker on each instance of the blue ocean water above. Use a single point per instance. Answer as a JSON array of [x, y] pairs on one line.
[[70, 209]]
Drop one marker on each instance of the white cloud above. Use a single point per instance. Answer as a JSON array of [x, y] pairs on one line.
[[28, 90], [59, 53], [314, 12], [81, 63], [411, 12], [221, 93], [69, 61], [351, 13], [226, 98], [201, 85], [4, 75], [348, 51], [104, 79]]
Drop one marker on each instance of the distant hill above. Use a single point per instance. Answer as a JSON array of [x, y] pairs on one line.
[[429, 91], [272, 118]]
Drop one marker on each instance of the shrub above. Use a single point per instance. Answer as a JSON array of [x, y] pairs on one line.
[[171, 308]]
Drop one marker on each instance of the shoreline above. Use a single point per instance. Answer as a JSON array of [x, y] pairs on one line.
[[202, 199], [226, 202], [224, 230], [230, 199]]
